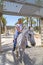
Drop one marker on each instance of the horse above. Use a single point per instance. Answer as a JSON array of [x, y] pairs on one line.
[[22, 41]]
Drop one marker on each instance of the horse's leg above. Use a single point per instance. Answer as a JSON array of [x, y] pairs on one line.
[[21, 55], [23, 51], [17, 52]]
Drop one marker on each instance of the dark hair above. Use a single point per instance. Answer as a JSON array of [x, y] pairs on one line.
[[20, 21]]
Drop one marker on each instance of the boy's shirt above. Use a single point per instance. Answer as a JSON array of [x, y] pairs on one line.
[[16, 31]]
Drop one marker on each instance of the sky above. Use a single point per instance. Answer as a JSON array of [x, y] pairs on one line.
[[11, 20]]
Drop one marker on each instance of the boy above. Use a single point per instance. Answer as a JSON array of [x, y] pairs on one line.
[[17, 32]]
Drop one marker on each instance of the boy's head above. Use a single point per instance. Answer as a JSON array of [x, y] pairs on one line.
[[19, 21]]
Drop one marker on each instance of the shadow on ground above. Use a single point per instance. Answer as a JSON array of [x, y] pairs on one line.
[[26, 60], [9, 58]]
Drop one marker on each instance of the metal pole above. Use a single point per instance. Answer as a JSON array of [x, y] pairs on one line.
[[0, 32], [1, 9]]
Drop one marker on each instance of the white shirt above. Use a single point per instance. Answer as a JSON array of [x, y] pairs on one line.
[[16, 31]]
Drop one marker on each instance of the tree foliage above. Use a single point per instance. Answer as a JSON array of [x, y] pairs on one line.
[[4, 21], [4, 24]]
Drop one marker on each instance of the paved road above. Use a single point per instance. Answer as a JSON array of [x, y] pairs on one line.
[[32, 56]]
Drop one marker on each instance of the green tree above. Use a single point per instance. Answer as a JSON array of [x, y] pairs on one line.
[[23, 19], [27, 20], [32, 21], [4, 24], [4, 21]]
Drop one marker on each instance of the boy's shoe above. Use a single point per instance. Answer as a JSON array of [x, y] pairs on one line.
[[14, 49]]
